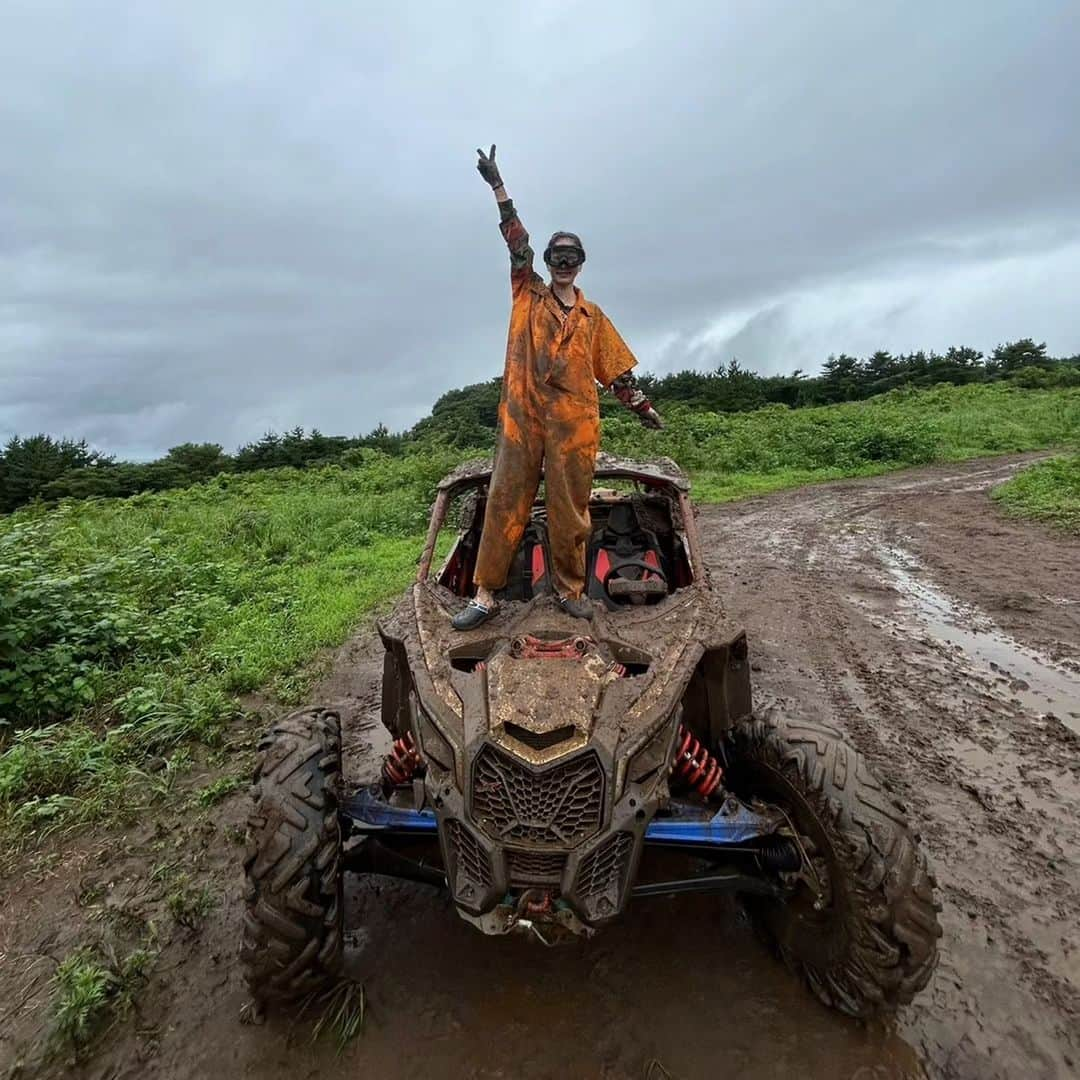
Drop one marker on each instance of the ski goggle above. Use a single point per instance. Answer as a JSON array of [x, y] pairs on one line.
[[564, 256]]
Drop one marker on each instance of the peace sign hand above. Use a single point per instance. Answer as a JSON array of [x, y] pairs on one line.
[[487, 168]]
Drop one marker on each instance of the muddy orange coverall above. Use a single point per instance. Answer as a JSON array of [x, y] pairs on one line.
[[549, 417]]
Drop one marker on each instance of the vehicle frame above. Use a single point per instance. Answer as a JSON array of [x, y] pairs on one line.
[[546, 771]]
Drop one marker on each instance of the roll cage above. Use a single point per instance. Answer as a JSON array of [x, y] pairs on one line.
[[658, 496]]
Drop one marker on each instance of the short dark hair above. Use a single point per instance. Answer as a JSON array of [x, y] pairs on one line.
[[563, 235]]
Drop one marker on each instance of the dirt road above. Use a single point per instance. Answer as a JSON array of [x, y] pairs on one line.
[[942, 638]]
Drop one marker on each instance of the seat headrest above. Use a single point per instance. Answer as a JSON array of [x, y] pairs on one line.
[[622, 520]]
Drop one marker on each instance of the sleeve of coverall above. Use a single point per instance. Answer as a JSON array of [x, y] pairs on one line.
[[517, 240], [610, 355]]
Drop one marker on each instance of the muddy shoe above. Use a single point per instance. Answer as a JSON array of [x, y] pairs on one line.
[[579, 608], [472, 615]]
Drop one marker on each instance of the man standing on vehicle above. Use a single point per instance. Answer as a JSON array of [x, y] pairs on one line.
[[559, 347]]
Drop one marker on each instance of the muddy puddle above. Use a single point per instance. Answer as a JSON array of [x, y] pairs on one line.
[[1012, 670], [680, 988]]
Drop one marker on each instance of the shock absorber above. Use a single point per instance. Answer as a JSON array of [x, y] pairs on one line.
[[694, 765], [402, 763]]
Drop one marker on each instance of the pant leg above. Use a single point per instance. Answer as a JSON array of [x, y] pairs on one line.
[[511, 492], [572, 439]]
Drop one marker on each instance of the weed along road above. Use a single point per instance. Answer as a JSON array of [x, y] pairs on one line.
[[941, 637]]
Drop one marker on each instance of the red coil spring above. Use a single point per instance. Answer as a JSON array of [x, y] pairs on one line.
[[400, 765], [694, 765]]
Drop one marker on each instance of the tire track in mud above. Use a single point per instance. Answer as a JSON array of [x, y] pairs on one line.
[[854, 694], [926, 780], [991, 785]]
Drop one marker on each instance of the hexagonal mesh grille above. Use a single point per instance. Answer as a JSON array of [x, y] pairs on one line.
[[560, 805], [534, 867], [470, 863], [602, 871]]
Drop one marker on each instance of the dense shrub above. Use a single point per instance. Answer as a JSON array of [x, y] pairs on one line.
[[65, 624]]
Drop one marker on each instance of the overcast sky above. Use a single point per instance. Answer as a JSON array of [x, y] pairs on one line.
[[222, 218]]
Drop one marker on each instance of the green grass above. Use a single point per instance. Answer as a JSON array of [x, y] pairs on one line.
[[342, 1010], [130, 627], [733, 455], [91, 990], [1048, 491], [188, 904], [722, 487], [220, 789]]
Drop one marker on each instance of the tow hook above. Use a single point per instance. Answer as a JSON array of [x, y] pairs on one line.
[[536, 904]]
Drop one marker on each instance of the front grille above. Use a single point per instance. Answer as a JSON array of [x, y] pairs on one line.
[[559, 805], [534, 867], [602, 873], [470, 867]]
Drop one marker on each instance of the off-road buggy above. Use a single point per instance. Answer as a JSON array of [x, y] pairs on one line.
[[547, 770]]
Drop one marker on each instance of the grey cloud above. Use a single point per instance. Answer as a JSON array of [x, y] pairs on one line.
[[216, 220]]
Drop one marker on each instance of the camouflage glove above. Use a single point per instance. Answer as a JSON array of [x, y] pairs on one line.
[[627, 391], [650, 417], [487, 168]]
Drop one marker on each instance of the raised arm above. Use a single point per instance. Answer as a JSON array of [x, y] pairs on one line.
[[517, 239]]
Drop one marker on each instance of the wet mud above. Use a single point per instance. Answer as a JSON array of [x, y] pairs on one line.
[[939, 636], [1019, 674], [943, 639]]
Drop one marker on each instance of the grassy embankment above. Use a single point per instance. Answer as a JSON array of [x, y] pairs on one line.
[[1048, 491], [734, 455], [128, 627]]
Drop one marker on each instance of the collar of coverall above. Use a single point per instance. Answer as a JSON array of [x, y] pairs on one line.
[[579, 300]]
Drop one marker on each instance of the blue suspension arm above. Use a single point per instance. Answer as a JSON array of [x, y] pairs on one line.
[[683, 824]]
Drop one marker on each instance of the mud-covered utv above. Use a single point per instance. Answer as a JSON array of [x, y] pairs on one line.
[[548, 771]]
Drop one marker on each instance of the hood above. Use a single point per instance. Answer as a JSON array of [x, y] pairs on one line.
[[520, 680], [543, 707]]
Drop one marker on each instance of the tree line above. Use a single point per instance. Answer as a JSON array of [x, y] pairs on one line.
[[41, 467], [848, 378], [46, 468]]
